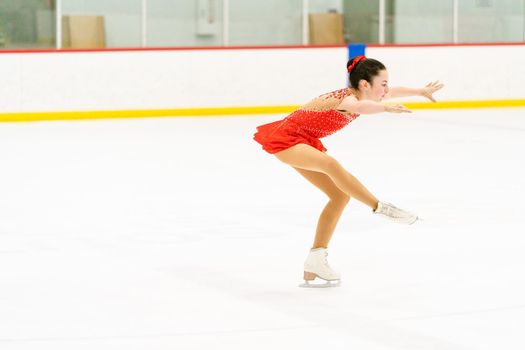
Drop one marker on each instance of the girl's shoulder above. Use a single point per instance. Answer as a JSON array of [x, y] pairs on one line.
[[329, 100], [337, 94]]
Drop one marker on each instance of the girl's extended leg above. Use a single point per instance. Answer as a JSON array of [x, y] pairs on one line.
[[333, 209], [306, 157]]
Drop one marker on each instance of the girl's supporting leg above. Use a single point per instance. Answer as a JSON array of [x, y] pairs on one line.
[[333, 209]]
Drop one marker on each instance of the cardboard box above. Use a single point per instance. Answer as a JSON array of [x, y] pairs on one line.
[[326, 29], [83, 32]]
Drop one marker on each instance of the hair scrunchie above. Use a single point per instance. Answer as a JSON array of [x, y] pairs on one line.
[[355, 62]]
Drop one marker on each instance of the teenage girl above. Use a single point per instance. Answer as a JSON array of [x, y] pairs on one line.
[[294, 140]]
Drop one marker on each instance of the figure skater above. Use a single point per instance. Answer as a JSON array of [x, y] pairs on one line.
[[294, 140]]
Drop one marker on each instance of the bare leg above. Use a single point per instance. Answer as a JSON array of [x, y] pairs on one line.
[[333, 209], [306, 157]]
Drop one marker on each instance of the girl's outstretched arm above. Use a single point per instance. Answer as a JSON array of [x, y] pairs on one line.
[[426, 91], [351, 105]]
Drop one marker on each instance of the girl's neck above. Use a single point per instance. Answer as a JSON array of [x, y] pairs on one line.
[[358, 94]]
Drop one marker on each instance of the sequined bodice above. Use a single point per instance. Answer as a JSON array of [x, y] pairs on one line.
[[319, 117]]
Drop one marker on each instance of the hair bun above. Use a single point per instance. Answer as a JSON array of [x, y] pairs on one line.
[[355, 61]]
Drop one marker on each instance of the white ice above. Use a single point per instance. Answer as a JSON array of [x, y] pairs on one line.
[[181, 233]]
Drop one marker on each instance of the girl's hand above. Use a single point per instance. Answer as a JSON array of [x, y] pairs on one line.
[[397, 109], [428, 90]]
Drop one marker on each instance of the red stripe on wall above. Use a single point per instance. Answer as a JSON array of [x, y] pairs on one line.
[[131, 49], [268, 47]]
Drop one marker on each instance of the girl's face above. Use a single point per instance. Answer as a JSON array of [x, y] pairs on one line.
[[379, 87]]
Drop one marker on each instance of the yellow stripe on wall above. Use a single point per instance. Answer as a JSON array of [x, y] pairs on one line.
[[218, 111], [179, 112]]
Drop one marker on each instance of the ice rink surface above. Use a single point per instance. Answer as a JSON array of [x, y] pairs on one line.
[[181, 233]]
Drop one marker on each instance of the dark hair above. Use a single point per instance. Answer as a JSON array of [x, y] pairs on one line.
[[365, 69]]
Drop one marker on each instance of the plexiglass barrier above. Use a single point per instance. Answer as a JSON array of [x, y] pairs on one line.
[[100, 24]]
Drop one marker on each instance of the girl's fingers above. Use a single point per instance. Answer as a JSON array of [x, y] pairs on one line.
[[435, 84], [403, 109]]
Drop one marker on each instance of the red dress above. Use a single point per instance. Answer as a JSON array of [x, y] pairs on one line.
[[317, 119]]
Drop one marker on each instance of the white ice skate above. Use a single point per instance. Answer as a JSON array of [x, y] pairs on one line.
[[393, 213], [317, 266]]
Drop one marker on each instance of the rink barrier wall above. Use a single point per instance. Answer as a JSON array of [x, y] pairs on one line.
[[95, 84], [211, 80]]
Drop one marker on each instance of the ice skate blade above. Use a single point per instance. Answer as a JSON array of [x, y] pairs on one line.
[[417, 219], [413, 222], [326, 284], [404, 222]]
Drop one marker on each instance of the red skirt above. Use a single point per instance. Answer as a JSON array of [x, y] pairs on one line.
[[282, 134]]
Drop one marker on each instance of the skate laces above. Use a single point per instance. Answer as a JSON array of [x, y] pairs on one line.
[[325, 260], [320, 260], [395, 212]]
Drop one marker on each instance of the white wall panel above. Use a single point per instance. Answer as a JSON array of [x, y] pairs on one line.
[[168, 79]]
